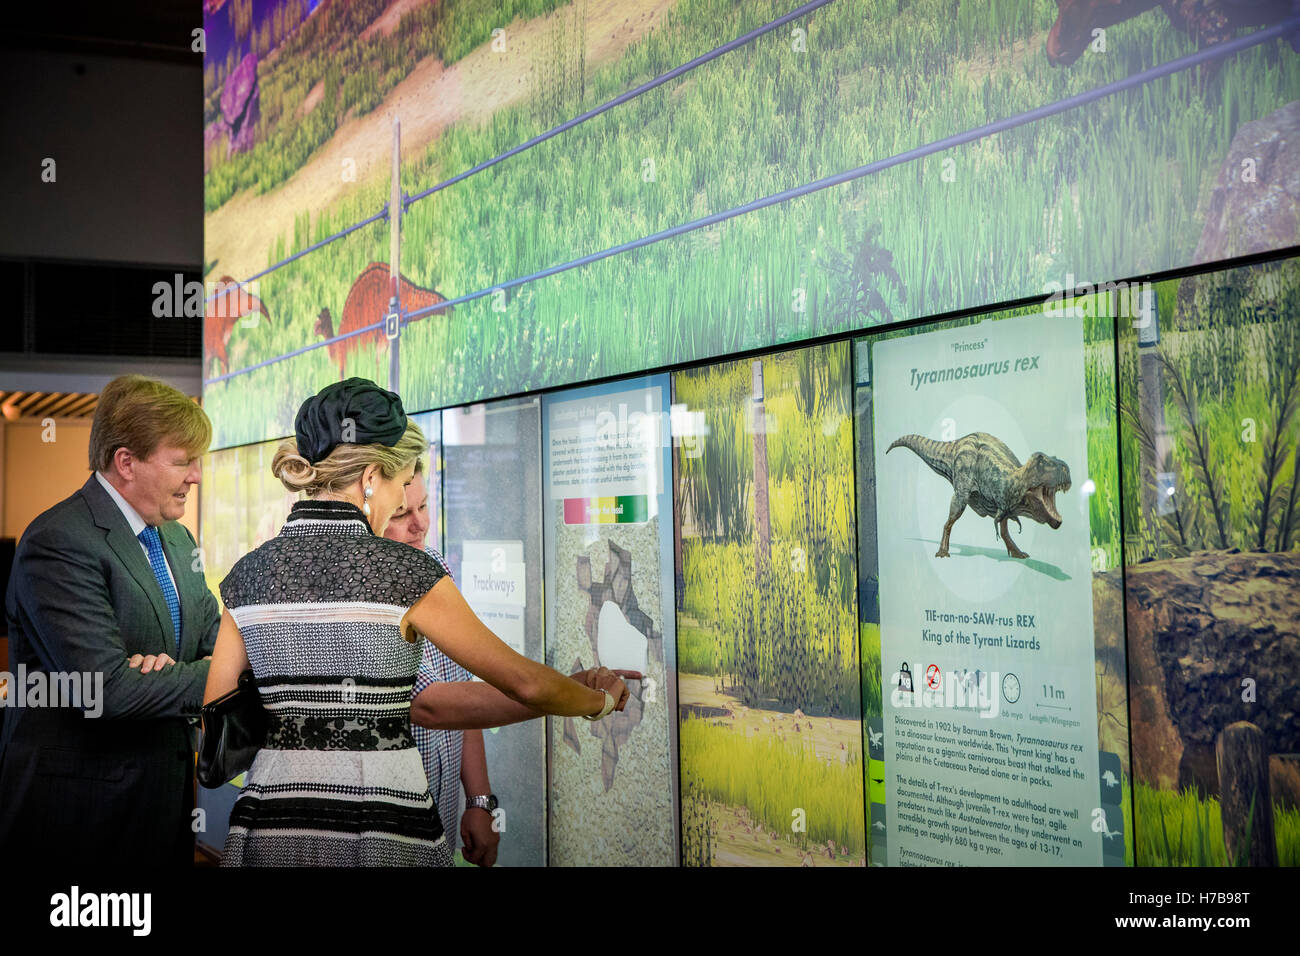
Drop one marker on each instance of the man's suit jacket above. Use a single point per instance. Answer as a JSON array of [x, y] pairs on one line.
[[117, 789]]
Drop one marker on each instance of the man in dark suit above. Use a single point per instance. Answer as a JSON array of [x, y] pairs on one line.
[[108, 585]]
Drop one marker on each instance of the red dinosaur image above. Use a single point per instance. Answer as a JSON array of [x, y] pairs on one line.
[[366, 304], [230, 303], [1206, 21]]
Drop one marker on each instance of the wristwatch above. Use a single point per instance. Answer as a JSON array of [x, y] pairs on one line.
[[488, 803]]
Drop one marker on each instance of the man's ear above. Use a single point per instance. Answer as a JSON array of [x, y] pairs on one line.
[[124, 462]]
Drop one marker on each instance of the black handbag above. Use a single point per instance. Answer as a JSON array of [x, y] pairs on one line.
[[234, 729]]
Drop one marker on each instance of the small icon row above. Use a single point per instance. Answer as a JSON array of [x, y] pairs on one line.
[[934, 680]]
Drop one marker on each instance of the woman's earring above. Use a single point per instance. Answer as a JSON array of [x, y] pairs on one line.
[[365, 508]]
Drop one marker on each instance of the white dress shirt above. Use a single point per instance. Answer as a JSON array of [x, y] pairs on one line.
[[137, 524]]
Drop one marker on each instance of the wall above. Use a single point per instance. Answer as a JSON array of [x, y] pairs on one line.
[[125, 135], [39, 474]]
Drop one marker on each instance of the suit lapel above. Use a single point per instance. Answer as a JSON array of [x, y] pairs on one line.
[[127, 547]]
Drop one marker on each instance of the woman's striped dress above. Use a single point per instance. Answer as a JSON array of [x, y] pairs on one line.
[[339, 781]]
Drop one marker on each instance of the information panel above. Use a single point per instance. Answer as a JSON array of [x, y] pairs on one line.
[[987, 648], [492, 496], [609, 586]]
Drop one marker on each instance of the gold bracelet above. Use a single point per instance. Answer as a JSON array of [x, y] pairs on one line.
[[604, 711]]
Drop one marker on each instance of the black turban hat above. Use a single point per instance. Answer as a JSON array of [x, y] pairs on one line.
[[354, 411]]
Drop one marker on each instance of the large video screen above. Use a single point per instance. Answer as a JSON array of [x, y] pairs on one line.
[[898, 596], [1209, 396], [1108, 477], [984, 566], [659, 196], [767, 624]]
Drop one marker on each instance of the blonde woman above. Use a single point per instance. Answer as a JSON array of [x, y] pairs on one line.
[[329, 615]]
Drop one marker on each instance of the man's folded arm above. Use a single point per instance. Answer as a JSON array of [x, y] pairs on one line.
[[63, 605]]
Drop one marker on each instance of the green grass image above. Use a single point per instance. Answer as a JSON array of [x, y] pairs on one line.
[[1184, 829], [1035, 202], [354, 76], [1237, 353], [694, 647], [872, 683], [744, 274], [778, 633], [1229, 356], [723, 765], [787, 630]]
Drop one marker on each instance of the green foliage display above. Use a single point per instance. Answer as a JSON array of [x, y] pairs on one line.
[[354, 75], [781, 638], [1184, 828], [723, 767], [872, 683], [769, 610], [263, 401], [1229, 361], [782, 622], [464, 24]]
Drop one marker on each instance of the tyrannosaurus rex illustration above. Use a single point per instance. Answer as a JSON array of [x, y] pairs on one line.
[[988, 478]]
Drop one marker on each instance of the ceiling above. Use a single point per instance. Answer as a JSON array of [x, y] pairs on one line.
[[139, 29], [15, 405]]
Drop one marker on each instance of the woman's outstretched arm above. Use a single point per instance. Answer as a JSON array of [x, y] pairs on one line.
[[444, 617], [467, 705], [474, 705]]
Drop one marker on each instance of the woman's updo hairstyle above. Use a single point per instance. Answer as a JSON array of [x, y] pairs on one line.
[[340, 431]]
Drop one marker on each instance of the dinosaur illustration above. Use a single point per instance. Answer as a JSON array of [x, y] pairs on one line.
[[230, 303], [988, 478], [366, 304], [1206, 21]]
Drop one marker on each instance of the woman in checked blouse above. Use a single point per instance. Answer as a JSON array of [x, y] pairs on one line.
[[329, 615]]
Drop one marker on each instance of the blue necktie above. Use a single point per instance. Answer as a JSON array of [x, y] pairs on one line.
[[153, 542]]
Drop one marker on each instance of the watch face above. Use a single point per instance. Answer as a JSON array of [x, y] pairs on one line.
[[492, 803], [1011, 688]]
